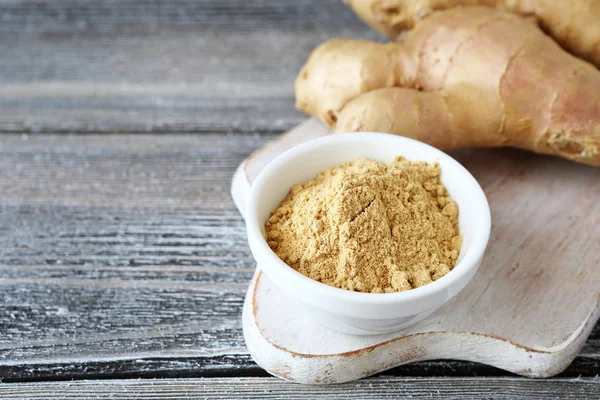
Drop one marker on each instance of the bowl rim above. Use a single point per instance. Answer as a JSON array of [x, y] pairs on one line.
[[271, 264]]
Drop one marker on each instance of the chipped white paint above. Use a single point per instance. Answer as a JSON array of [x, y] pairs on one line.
[[528, 310]]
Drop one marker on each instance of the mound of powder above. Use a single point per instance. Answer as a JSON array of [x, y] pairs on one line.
[[369, 226]]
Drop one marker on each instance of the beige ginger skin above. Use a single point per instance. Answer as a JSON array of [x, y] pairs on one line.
[[574, 24], [465, 77]]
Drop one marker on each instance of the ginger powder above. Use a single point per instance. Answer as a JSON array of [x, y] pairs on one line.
[[369, 226]]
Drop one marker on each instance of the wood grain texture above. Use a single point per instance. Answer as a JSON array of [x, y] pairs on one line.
[[124, 256], [111, 251], [159, 65], [271, 388], [120, 249]]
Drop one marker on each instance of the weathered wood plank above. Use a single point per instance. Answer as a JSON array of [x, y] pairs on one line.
[[270, 388], [124, 256], [240, 364], [162, 65], [120, 248], [81, 16]]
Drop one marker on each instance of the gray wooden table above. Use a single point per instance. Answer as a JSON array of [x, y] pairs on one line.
[[121, 253]]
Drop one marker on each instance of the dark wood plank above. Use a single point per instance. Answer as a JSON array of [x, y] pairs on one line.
[[159, 65], [271, 388], [123, 256]]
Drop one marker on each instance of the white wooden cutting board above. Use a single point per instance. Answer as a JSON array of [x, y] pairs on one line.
[[528, 310]]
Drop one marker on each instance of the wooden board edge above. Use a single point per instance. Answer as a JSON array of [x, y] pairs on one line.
[[466, 346], [240, 188]]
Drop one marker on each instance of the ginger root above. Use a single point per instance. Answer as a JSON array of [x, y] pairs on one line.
[[575, 24], [465, 77]]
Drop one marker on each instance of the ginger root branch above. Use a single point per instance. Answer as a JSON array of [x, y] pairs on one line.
[[470, 76]]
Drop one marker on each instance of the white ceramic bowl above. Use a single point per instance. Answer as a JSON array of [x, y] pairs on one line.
[[355, 312]]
